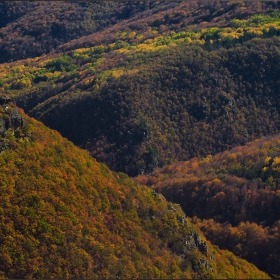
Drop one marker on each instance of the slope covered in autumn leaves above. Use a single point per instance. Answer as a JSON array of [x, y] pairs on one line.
[[29, 29], [152, 90], [141, 85], [33, 28], [63, 215], [233, 196]]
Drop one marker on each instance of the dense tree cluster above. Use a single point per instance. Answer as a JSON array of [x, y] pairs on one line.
[[29, 29], [63, 215], [146, 97], [139, 85], [237, 193], [154, 108], [255, 243]]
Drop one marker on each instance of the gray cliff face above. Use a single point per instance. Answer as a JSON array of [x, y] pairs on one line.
[[16, 121], [11, 122], [2, 126]]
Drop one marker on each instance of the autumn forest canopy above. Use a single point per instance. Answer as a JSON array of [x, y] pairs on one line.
[[172, 110]]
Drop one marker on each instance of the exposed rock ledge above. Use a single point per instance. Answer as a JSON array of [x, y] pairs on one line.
[[11, 123]]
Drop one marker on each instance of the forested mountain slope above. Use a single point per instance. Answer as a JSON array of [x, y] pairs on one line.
[[33, 28], [29, 29], [236, 193], [139, 85], [63, 215], [155, 97]]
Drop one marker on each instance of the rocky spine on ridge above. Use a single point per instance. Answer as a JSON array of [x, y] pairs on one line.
[[11, 123]]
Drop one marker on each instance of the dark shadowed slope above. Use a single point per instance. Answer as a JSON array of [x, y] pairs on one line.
[[236, 193], [151, 90]]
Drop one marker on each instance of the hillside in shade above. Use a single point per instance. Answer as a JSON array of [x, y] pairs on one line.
[[234, 198], [63, 215], [29, 29], [151, 90]]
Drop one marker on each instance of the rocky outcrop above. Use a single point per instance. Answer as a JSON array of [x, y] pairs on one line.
[[206, 264], [194, 242], [11, 123], [16, 121], [2, 126]]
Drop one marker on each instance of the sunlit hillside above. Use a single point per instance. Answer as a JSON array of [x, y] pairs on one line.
[[168, 169], [233, 196], [63, 215]]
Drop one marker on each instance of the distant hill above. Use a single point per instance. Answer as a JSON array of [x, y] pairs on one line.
[[29, 29], [167, 82], [63, 215], [148, 105], [235, 195], [196, 85], [34, 28]]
